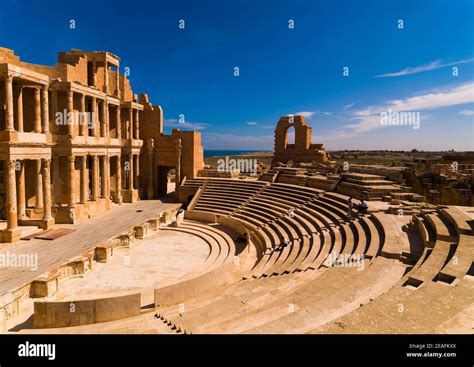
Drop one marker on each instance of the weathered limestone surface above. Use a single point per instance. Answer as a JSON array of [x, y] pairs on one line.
[[74, 135], [302, 151]]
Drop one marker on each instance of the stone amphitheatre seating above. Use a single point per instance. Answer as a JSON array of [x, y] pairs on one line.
[[311, 222], [314, 225], [307, 267], [294, 289], [372, 187], [224, 195], [437, 291], [220, 264], [219, 238]]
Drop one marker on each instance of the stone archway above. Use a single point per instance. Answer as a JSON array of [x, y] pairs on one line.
[[290, 137], [162, 180]]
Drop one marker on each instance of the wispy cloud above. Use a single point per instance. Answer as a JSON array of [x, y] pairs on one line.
[[173, 123], [305, 114], [426, 67], [347, 106], [369, 118], [251, 123], [328, 113], [466, 113]]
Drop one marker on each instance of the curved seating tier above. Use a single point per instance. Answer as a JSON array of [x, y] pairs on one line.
[[298, 226], [221, 245], [441, 280], [308, 275], [225, 195]]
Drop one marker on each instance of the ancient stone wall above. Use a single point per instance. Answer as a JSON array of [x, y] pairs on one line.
[[302, 151]]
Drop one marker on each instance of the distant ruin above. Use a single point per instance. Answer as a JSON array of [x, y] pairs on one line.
[[302, 150]]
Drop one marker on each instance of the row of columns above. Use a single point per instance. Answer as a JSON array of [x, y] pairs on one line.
[[41, 106], [134, 124], [16, 206], [100, 125], [132, 168], [133, 171], [104, 129], [41, 111], [84, 188]]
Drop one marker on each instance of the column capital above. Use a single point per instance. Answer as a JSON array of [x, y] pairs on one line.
[[11, 163], [46, 162]]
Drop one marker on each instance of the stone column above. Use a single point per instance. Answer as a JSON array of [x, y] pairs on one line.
[[117, 76], [10, 125], [137, 170], [19, 108], [39, 186], [178, 163], [71, 171], [70, 111], [97, 121], [151, 184], [21, 191], [118, 188], [83, 121], [106, 119], [45, 108], [37, 110], [103, 185], [54, 107], [119, 124], [84, 180], [107, 177], [137, 126], [94, 115], [95, 177], [130, 127], [130, 172], [12, 219], [46, 189], [102, 118], [106, 78]]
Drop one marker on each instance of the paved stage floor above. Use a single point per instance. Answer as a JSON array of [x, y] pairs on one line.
[[86, 236]]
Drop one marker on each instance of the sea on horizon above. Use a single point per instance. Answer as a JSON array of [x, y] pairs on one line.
[[219, 153]]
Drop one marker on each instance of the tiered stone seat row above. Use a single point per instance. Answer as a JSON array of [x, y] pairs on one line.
[[224, 195], [434, 293], [221, 244], [309, 223], [316, 225]]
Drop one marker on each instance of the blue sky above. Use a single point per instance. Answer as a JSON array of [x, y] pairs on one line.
[[283, 71]]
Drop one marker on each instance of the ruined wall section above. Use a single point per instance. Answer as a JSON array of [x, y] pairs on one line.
[[302, 151]]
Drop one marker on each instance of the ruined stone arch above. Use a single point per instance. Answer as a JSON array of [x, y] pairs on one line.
[[290, 143], [302, 151]]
